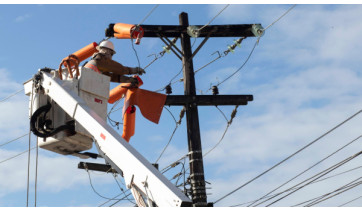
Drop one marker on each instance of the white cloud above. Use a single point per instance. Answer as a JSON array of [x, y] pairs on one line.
[[306, 81], [22, 18]]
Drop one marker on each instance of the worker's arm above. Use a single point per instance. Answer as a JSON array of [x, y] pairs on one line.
[[106, 65], [120, 78]]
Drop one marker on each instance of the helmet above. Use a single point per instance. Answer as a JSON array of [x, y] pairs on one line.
[[106, 44]]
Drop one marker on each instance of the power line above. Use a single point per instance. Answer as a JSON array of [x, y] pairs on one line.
[[178, 73], [3, 161], [233, 114], [280, 17], [91, 184], [114, 176], [326, 172], [326, 198], [350, 201], [178, 123], [325, 195], [109, 200], [294, 187], [242, 66], [263, 30], [330, 155], [15, 139], [11, 95], [149, 13], [314, 141], [213, 18]]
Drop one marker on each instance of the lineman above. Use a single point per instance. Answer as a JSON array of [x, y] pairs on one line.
[[102, 62]]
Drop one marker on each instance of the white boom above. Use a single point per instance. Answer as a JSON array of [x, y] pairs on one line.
[[138, 173]]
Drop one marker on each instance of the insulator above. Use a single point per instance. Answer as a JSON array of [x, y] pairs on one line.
[[168, 89], [215, 90]]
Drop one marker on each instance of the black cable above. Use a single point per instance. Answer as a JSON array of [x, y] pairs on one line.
[[8, 142], [330, 155], [324, 195], [122, 189], [120, 200], [91, 184], [293, 188], [247, 59], [314, 141], [350, 201], [331, 169], [174, 131], [36, 173], [109, 200], [347, 189]]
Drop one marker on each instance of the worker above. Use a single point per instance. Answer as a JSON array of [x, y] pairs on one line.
[[102, 62]]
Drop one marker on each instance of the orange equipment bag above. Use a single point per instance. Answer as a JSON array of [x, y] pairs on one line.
[[150, 104], [84, 53], [129, 122], [127, 31], [73, 60]]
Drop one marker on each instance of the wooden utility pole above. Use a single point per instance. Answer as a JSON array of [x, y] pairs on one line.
[[190, 100]]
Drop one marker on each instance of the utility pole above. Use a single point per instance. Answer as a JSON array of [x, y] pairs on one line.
[[190, 100]]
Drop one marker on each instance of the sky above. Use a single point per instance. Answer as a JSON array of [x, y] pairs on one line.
[[304, 75]]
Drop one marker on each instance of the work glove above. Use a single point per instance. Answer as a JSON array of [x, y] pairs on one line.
[[134, 82], [139, 71]]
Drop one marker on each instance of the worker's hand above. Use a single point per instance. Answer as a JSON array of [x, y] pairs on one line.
[[134, 82], [140, 71]]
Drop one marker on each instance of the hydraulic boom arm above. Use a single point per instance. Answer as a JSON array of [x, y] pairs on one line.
[[138, 173]]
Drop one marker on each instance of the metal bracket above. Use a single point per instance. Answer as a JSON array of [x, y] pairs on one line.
[[257, 30], [193, 31]]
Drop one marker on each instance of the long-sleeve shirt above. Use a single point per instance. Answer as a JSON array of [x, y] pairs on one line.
[[112, 68]]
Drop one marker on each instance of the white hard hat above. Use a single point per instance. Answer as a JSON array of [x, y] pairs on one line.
[[106, 44]]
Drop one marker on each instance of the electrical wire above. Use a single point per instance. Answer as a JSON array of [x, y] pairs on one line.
[[36, 173], [178, 73], [279, 17], [325, 197], [242, 66], [122, 188], [124, 198], [254, 47], [350, 201], [91, 184], [325, 172], [149, 13], [213, 18], [15, 139], [227, 127], [290, 156], [109, 200], [293, 188], [3, 161], [297, 186], [330, 155], [178, 123], [11, 95]]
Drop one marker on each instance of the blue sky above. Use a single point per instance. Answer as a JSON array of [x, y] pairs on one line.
[[304, 74]]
